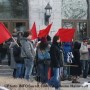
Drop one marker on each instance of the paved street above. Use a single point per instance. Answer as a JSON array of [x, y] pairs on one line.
[[22, 84], [8, 81]]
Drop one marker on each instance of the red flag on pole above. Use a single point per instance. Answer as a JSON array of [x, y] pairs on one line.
[[4, 33], [33, 31], [66, 35], [44, 32]]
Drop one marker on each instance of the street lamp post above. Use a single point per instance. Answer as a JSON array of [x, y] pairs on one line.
[[48, 10]]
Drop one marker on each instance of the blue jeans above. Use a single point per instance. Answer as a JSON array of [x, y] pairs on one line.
[[43, 72], [85, 68], [28, 69], [19, 70], [55, 80]]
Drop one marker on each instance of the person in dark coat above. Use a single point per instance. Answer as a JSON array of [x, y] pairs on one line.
[[43, 60], [19, 60], [76, 71], [56, 62]]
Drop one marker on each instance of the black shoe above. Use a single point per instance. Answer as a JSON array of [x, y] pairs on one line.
[[75, 81]]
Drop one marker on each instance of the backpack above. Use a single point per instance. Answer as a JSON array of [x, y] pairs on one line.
[[43, 56], [16, 50]]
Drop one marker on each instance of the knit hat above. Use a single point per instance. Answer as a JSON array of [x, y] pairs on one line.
[[43, 39]]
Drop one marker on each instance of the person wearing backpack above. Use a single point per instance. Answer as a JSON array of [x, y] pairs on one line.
[[43, 60]]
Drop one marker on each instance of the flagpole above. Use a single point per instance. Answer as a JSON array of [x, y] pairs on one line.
[[15, 41]]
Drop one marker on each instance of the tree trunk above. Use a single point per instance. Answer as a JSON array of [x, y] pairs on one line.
[[88, 17]]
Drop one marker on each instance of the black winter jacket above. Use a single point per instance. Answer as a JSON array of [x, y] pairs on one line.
[[56, 56], [16, 53]]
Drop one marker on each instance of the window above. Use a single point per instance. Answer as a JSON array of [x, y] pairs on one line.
[[81, 30], [13, 9]]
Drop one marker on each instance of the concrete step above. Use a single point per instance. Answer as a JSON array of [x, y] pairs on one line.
[[4, 62], [6, 74], [4, 67], [5, 70]]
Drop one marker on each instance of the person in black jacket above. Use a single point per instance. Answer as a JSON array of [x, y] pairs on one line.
[[76, 71], [56, 62], [19, 61]]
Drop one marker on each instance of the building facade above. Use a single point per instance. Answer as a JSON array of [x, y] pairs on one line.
[[14, 14], [37, 11], [65, 13], [21, 14], [74, 14]]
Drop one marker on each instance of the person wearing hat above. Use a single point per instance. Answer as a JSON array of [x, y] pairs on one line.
[[43, 59]]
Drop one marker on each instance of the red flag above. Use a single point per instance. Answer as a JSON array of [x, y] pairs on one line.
[[34, 32], [4, 33], [66, 35], [44, 32]]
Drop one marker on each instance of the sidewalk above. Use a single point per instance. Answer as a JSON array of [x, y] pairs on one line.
[[22, 84], [9, 82]]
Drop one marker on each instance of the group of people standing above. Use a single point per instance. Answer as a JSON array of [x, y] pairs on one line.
[[60, 60]]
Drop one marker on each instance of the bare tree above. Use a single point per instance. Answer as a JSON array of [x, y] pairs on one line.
[[71, 9], [88, 16]]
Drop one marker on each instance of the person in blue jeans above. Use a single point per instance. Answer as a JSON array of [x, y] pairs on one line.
[[28, 68], [20, 70], [84, 57], [28, 53], [85, 68], [55, 80], [19, 61], [56, 55]]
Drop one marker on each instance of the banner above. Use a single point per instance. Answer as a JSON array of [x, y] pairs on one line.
[[44, 32], [66, 35], [33, 31], [4, 33]]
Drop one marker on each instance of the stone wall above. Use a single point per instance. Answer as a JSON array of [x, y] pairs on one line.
[[61, 9], [36, 13]]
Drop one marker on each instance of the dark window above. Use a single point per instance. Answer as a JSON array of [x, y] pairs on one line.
[[13, 9]]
